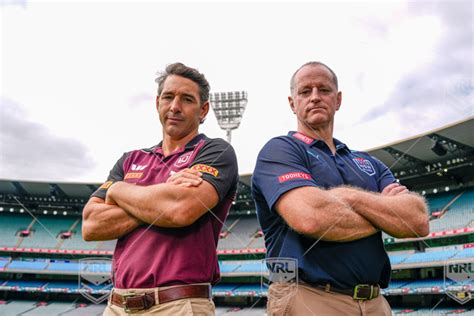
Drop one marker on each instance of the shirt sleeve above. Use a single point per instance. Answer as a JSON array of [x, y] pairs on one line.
[[385, 175], [281, 166], [116, 174], [218, 164]]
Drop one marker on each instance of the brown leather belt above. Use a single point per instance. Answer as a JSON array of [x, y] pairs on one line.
[[133, 302], [359, 292]]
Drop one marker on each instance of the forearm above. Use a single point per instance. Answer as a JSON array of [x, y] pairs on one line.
[[402, 216], [106, 222], [154, 204], [345, 225], [319, 214]]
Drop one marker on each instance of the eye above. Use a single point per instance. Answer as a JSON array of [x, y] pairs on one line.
[[305, 92]]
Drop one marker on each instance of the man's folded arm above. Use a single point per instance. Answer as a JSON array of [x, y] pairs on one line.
[[322, 215], [400, 215], [103, 221], [164, 204]]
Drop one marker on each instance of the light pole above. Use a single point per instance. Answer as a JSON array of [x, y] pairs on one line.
[[229, 108]]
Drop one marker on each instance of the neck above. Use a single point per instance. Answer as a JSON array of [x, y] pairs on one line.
[[171, 144], [323, 133]]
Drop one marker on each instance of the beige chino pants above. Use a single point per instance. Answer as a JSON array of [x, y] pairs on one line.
[[299, 299]]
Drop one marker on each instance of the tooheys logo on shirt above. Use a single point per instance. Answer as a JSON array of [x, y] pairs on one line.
[[206, 169], [293, 175]]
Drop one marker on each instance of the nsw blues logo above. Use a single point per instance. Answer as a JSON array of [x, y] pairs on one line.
[[364, 165]]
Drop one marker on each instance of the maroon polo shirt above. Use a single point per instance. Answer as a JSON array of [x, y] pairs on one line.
[[152, 256]]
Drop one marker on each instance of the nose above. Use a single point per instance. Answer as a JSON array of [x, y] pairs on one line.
[[175, 106], [315, 95]]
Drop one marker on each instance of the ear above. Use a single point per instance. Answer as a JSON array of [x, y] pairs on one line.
[[157, 102], [292, 105], [204, 111], [339, 100]]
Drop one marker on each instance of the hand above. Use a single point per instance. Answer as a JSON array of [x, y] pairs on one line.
[[186, 177], [394, 189]]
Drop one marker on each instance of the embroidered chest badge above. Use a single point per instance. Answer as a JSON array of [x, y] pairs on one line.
[[183, 159], [365, 165]]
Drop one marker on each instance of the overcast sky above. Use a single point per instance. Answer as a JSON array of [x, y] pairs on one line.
[[78, 90]]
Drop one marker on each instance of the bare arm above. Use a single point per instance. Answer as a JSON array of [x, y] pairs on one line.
[[321, 214], [395, 211], [164, 204], [101, 221]]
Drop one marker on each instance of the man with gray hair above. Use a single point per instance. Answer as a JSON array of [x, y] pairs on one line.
[[325, 206], [166, 206]]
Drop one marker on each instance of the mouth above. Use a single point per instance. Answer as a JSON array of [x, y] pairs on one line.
[[315, 109], [174, 119]]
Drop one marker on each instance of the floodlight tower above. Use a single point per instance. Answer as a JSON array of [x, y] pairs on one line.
[[229, 108]]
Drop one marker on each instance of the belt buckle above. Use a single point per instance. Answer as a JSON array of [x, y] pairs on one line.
[[128, 295], [363, 286]]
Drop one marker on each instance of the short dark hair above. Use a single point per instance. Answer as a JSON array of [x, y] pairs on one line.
[[313, 63], [179, 69]]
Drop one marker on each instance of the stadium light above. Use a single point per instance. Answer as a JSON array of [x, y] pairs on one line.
[[438, 148], [229, 108]]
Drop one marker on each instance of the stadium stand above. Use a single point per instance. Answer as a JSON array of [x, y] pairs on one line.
[[41, 259]]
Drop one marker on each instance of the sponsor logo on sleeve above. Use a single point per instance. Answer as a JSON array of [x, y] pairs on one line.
[[365, 165], [293, 176], [305, 139], [106, 185], [133, 175], [206, 169]]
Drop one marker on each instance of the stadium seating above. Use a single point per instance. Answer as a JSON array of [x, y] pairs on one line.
[[4, 262], [48, 309], [436, 202], [459, 213], [430, 256], [465, 253], [55, 265], [16, 307], [37, 264], [10, 225], [45, 232], [242, 234], [92, 310]]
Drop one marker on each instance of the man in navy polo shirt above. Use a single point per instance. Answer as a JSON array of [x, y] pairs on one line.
[[166, 206], [325, 206]]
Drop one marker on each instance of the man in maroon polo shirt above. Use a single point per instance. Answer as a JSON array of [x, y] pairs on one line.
[[166, 206]]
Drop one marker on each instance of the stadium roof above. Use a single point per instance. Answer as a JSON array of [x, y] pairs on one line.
[[444, 155]]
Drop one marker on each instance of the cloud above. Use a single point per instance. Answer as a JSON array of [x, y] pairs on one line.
[[440, 90], [29, 150]]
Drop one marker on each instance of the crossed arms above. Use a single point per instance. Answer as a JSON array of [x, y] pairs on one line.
[[177, 203], [346, 213]]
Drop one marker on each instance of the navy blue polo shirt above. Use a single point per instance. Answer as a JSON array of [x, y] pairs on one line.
[[296, 160]]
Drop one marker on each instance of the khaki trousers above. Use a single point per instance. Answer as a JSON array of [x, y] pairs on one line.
[[185, 307], [300, 299]]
